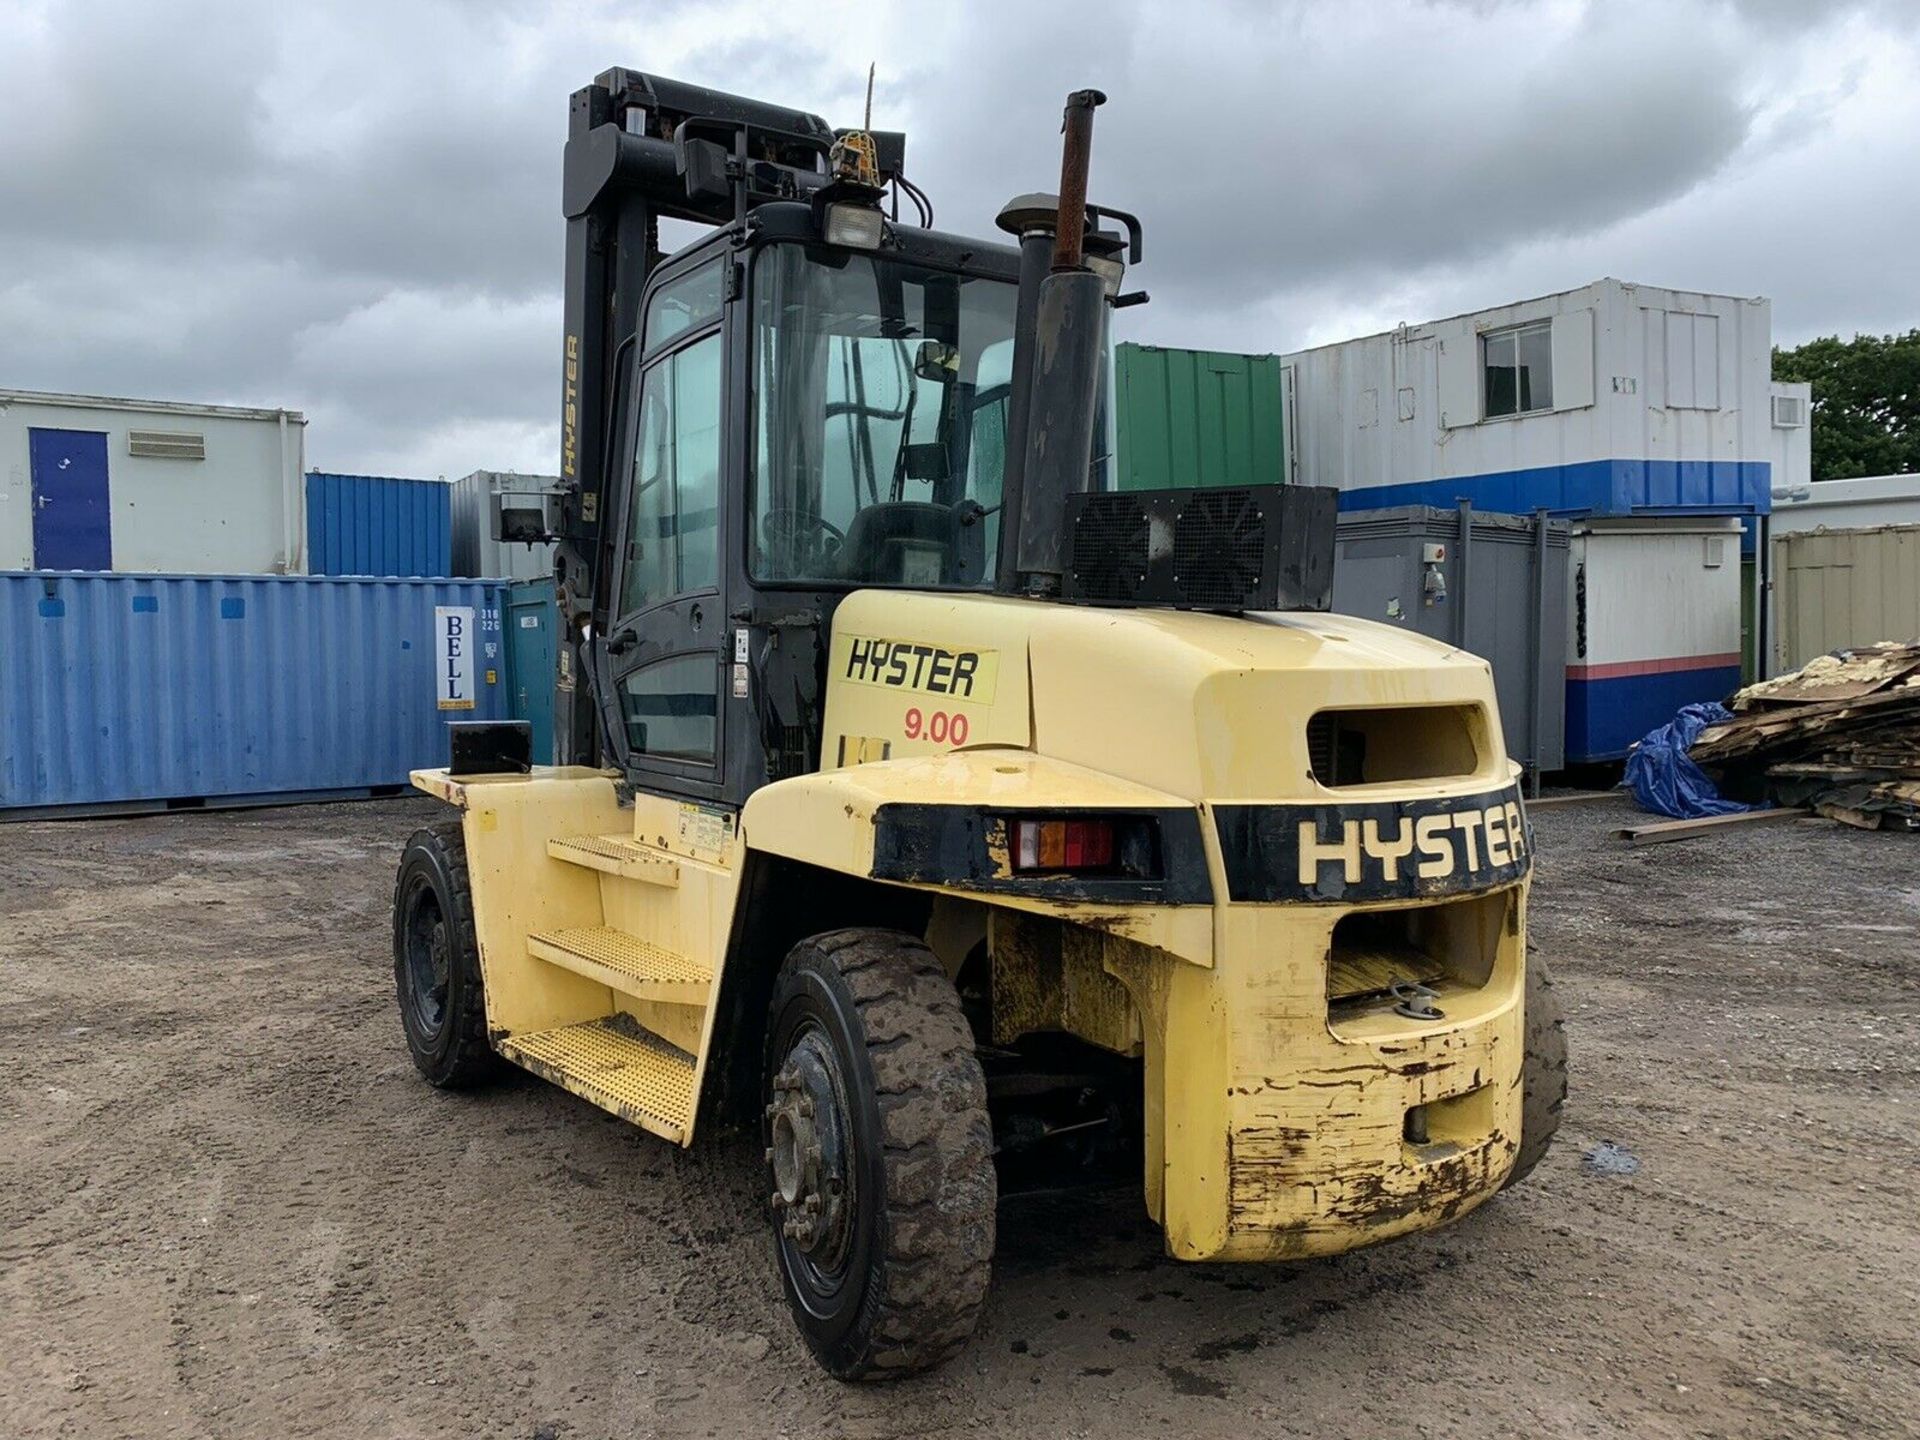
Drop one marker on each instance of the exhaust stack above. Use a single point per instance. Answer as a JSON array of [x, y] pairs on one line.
[[1059, 344]]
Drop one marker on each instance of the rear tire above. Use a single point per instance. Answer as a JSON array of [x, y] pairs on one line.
[[1544, 1077], [880, 1154], [436, 960]]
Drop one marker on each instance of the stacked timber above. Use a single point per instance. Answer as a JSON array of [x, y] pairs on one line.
[[1841, 736]]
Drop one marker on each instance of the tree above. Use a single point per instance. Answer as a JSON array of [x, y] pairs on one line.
[[1866, 402]]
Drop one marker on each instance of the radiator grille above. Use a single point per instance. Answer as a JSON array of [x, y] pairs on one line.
[[1110, 547], [1219, 544], [1255, 547]]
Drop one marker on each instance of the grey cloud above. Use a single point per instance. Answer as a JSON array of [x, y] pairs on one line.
[[353, 210]]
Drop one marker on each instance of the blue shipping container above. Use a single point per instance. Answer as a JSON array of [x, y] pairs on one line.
[[146, 691], [378, 525]]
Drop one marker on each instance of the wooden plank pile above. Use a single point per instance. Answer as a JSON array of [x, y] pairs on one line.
[[1841, 737]]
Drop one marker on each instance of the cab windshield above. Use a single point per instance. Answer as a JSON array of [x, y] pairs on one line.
[[880, 420]]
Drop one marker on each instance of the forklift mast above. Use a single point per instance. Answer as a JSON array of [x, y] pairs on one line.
[[641, 148]]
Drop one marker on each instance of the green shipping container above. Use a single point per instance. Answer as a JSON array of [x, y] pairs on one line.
[[1193, 418]]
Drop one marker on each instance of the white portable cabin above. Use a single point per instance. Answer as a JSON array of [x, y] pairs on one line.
[[89, 482], [1610, 403]]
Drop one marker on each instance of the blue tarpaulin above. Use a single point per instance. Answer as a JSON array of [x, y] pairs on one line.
[[1664, 778]]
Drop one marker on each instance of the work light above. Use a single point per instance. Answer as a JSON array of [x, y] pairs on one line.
[[857, 227]]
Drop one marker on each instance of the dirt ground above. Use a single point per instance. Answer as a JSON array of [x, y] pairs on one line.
[[229, 1207]]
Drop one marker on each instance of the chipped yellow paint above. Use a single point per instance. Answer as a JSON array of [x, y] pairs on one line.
[[1275, 1121]]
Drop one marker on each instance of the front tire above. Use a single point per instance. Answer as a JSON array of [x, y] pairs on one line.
[[436, 960], [879, 1154], [1543, 1089]]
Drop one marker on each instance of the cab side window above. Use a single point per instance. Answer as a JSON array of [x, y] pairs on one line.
[[666, 671], [671, 708], [673, 526]]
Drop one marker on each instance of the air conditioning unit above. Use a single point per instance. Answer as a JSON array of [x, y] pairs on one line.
[[1789, 412], [167, 444], [1257, 547]]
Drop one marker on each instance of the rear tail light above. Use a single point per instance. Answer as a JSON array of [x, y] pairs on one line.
[[1063, 845]]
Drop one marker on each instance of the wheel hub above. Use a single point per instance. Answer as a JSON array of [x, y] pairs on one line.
[[806, 1150], [429, 959]]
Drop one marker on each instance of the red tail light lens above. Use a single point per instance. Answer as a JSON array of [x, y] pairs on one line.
[[1063, 844]]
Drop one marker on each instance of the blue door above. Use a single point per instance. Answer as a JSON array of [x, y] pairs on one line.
[[71, 519], [533, 623]]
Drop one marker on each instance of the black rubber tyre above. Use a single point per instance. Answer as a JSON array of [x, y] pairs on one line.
[[871, 1073], [1544, 1080], [436, 960]]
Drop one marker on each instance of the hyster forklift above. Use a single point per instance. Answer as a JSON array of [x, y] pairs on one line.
[[956, 819]]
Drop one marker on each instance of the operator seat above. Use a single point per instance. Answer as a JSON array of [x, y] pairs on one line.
[[900, 542]]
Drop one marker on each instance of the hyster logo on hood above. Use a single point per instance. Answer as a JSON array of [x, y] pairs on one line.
[[1375, 851], [916, 665]]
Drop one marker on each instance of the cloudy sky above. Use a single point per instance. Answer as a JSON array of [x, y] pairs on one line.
[[353, 209]]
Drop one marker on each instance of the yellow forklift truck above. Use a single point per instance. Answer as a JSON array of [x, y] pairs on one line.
[[959, 821]]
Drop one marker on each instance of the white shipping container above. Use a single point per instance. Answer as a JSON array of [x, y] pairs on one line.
[[1612, 399], [1653, 619], [93, 483]]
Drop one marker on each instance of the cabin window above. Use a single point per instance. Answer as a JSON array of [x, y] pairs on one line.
[[1517, 370]]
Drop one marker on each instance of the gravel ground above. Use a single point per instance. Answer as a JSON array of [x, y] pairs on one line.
[[228, 1207]]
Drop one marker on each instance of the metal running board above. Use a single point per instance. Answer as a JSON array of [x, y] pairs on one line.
[[625, 963], [617, 855], [616, 1065]]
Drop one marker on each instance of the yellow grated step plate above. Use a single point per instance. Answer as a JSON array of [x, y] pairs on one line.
[[616, 1065], [627, 963], [617, 855]]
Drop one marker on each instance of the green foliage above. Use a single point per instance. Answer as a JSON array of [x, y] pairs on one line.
[[1866, 402]]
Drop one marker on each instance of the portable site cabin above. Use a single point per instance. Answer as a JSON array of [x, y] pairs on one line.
[[1648, 417], [93, 483]]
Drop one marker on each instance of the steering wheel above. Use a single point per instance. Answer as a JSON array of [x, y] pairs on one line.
[[801, 543]]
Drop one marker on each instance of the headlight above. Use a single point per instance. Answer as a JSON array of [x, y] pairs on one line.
[[857, 227]]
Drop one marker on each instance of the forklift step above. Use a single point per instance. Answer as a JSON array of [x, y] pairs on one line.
[[625, 963], [616, 1065], [617, 855]]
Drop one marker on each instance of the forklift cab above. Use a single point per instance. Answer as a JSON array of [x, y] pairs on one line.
[[801, 420]]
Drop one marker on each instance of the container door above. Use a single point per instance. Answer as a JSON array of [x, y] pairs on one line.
[[532, 660], [71, 517]]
